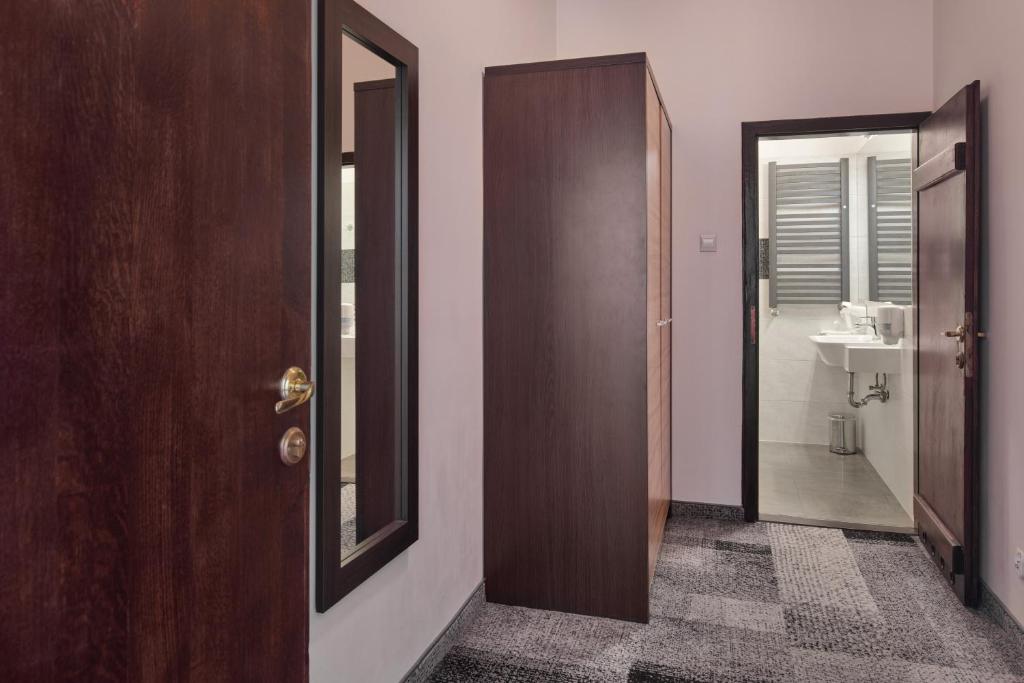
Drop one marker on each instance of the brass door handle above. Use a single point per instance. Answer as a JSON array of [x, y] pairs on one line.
[[296, 389]]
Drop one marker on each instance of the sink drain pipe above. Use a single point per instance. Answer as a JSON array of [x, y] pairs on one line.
[[879, 391]]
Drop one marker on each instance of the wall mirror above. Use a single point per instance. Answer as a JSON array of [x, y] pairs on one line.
[[366, 435]]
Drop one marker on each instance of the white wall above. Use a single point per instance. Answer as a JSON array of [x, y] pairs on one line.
[[797, 390], [360, 65], [886, 430], [379, 630], [717, 65], [981, 40]]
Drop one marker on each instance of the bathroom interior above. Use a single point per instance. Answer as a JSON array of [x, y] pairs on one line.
[[836, 337]]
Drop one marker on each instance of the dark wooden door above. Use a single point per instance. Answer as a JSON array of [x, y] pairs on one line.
[[155, 211], [947, 184]]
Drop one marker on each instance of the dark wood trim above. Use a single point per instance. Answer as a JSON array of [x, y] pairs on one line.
[[563, 64], [336, 578], [583, 63], [973, 319], [941, 544], [943, 165], [751, 132], [972, 308], [379, 84], [836, 125], [348, 158]]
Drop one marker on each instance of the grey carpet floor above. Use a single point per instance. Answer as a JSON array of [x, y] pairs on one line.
[[738, 602]]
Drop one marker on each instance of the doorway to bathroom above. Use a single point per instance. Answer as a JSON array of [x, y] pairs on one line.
[[835, 319], [861, 356]]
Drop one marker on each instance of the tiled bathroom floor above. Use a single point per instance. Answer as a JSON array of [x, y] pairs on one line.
[[805, 483]]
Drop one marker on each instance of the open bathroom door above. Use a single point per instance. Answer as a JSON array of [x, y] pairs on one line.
[[947, 184]]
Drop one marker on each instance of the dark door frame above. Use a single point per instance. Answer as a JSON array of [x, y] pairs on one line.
[[752, 131]]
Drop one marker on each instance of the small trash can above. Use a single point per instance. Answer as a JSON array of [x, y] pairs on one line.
[[842, 433]]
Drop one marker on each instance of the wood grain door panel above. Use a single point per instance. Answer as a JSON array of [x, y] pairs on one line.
[[157, 268], [948, 204], [655, 303], [565, 337]]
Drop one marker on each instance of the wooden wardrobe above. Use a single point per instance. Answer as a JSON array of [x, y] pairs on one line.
[[577, 334]]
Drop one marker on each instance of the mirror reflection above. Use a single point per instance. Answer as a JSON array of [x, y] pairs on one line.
[[369, 443]]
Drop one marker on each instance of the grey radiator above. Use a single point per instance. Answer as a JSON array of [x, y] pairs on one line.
[[809, 228], [890, 230]]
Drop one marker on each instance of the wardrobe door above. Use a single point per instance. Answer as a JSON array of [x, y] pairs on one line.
[[565, 338], [665, 480], [657, 504], [667, 306]]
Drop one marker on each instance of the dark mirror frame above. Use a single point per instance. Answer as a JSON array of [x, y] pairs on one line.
[[335, 577]]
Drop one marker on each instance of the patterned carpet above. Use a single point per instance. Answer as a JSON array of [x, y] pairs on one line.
[[737, 603]]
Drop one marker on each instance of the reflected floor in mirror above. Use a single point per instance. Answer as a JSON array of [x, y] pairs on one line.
[[348, 519]]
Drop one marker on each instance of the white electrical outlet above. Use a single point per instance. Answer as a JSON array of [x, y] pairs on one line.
[[1018, 562]]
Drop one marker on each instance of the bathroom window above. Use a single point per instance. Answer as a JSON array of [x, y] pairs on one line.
[[809, 225]]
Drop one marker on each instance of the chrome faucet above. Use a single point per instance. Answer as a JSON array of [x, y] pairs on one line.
[[869, 321]]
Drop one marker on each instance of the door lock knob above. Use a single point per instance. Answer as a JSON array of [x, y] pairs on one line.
[[293, 446]]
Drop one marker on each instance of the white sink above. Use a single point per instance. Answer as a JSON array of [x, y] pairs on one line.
[[857, 352], [875, 357], [832, 346]]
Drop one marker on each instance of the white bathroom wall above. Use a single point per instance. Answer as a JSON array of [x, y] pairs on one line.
[[886, 430], [719, 63], [982, 40], [796, 390], [377, 632]]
